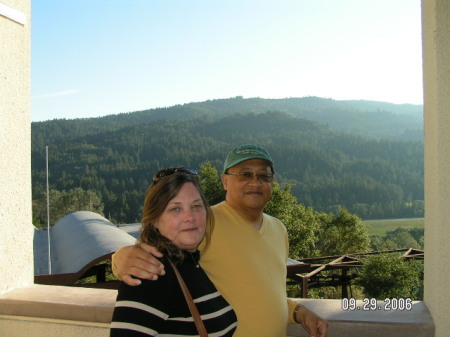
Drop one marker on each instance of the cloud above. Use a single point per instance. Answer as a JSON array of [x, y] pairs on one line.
[[58, 94]]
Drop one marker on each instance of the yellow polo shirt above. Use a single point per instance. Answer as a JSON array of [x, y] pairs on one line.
[[248, 267]]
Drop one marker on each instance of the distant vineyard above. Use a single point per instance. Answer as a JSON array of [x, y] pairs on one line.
[[380, 227]]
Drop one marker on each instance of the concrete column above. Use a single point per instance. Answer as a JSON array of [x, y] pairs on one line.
[[16, 230], [436, 66]]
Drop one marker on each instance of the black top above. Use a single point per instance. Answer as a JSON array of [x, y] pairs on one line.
[[159, 308]]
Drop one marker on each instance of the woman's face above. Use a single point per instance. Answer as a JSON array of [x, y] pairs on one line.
[[184, 219]]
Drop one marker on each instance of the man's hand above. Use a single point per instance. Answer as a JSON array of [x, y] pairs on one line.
[[311, 322], [138, 261]]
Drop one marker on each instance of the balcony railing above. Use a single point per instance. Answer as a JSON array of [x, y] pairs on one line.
[[44, 310]]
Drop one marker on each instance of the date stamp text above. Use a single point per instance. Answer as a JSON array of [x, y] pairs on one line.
[[372, 304]]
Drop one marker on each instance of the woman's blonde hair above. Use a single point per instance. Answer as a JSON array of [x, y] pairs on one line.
[[157, 197]]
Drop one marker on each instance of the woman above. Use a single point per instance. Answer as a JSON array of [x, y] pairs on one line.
[[176, 218]]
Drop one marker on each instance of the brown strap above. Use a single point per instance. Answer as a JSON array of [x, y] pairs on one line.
[[192, 307]]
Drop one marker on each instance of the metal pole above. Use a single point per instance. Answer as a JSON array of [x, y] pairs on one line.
[[48, 214]]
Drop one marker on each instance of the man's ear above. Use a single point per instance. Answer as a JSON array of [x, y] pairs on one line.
[[225, 181]]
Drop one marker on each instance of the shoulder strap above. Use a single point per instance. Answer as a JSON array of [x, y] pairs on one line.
[[192, 307]]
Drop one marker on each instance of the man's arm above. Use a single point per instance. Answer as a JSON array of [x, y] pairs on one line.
[[311, 322], [137, 261]]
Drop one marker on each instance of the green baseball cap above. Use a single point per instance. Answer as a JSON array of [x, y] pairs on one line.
[[246, 152]]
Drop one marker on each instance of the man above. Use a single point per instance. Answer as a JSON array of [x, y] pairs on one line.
[[246, 258]]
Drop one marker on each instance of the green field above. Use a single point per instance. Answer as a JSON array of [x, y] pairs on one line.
[[380, 227]]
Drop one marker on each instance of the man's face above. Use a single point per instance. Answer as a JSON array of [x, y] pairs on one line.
[[248, 193]]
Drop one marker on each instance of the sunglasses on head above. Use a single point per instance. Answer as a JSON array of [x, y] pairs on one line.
[[169, 171]]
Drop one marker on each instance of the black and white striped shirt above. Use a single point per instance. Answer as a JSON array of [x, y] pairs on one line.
[[158, 308]]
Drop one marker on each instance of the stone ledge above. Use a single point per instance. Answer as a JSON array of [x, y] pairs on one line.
[[89, 310], [59, 302], [416, 322], [20, 326]]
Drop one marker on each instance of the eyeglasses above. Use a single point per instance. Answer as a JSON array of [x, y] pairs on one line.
[[169, 171], [249, 176]]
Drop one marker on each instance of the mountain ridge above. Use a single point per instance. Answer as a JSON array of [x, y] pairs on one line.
[[328, 168], [379, 120]]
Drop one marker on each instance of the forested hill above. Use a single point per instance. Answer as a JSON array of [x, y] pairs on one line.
[[116, 156], [378, 120]]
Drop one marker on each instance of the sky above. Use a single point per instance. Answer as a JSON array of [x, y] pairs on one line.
[[93, 58]]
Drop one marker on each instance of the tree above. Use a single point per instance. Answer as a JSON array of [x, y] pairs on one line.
[[211, 183], [342, 233], [418, 235], [66, 202], [301, 223], [389, 276], [399, 238]]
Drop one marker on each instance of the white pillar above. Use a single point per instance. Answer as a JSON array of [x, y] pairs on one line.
[[16, 230], [436, 61]]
